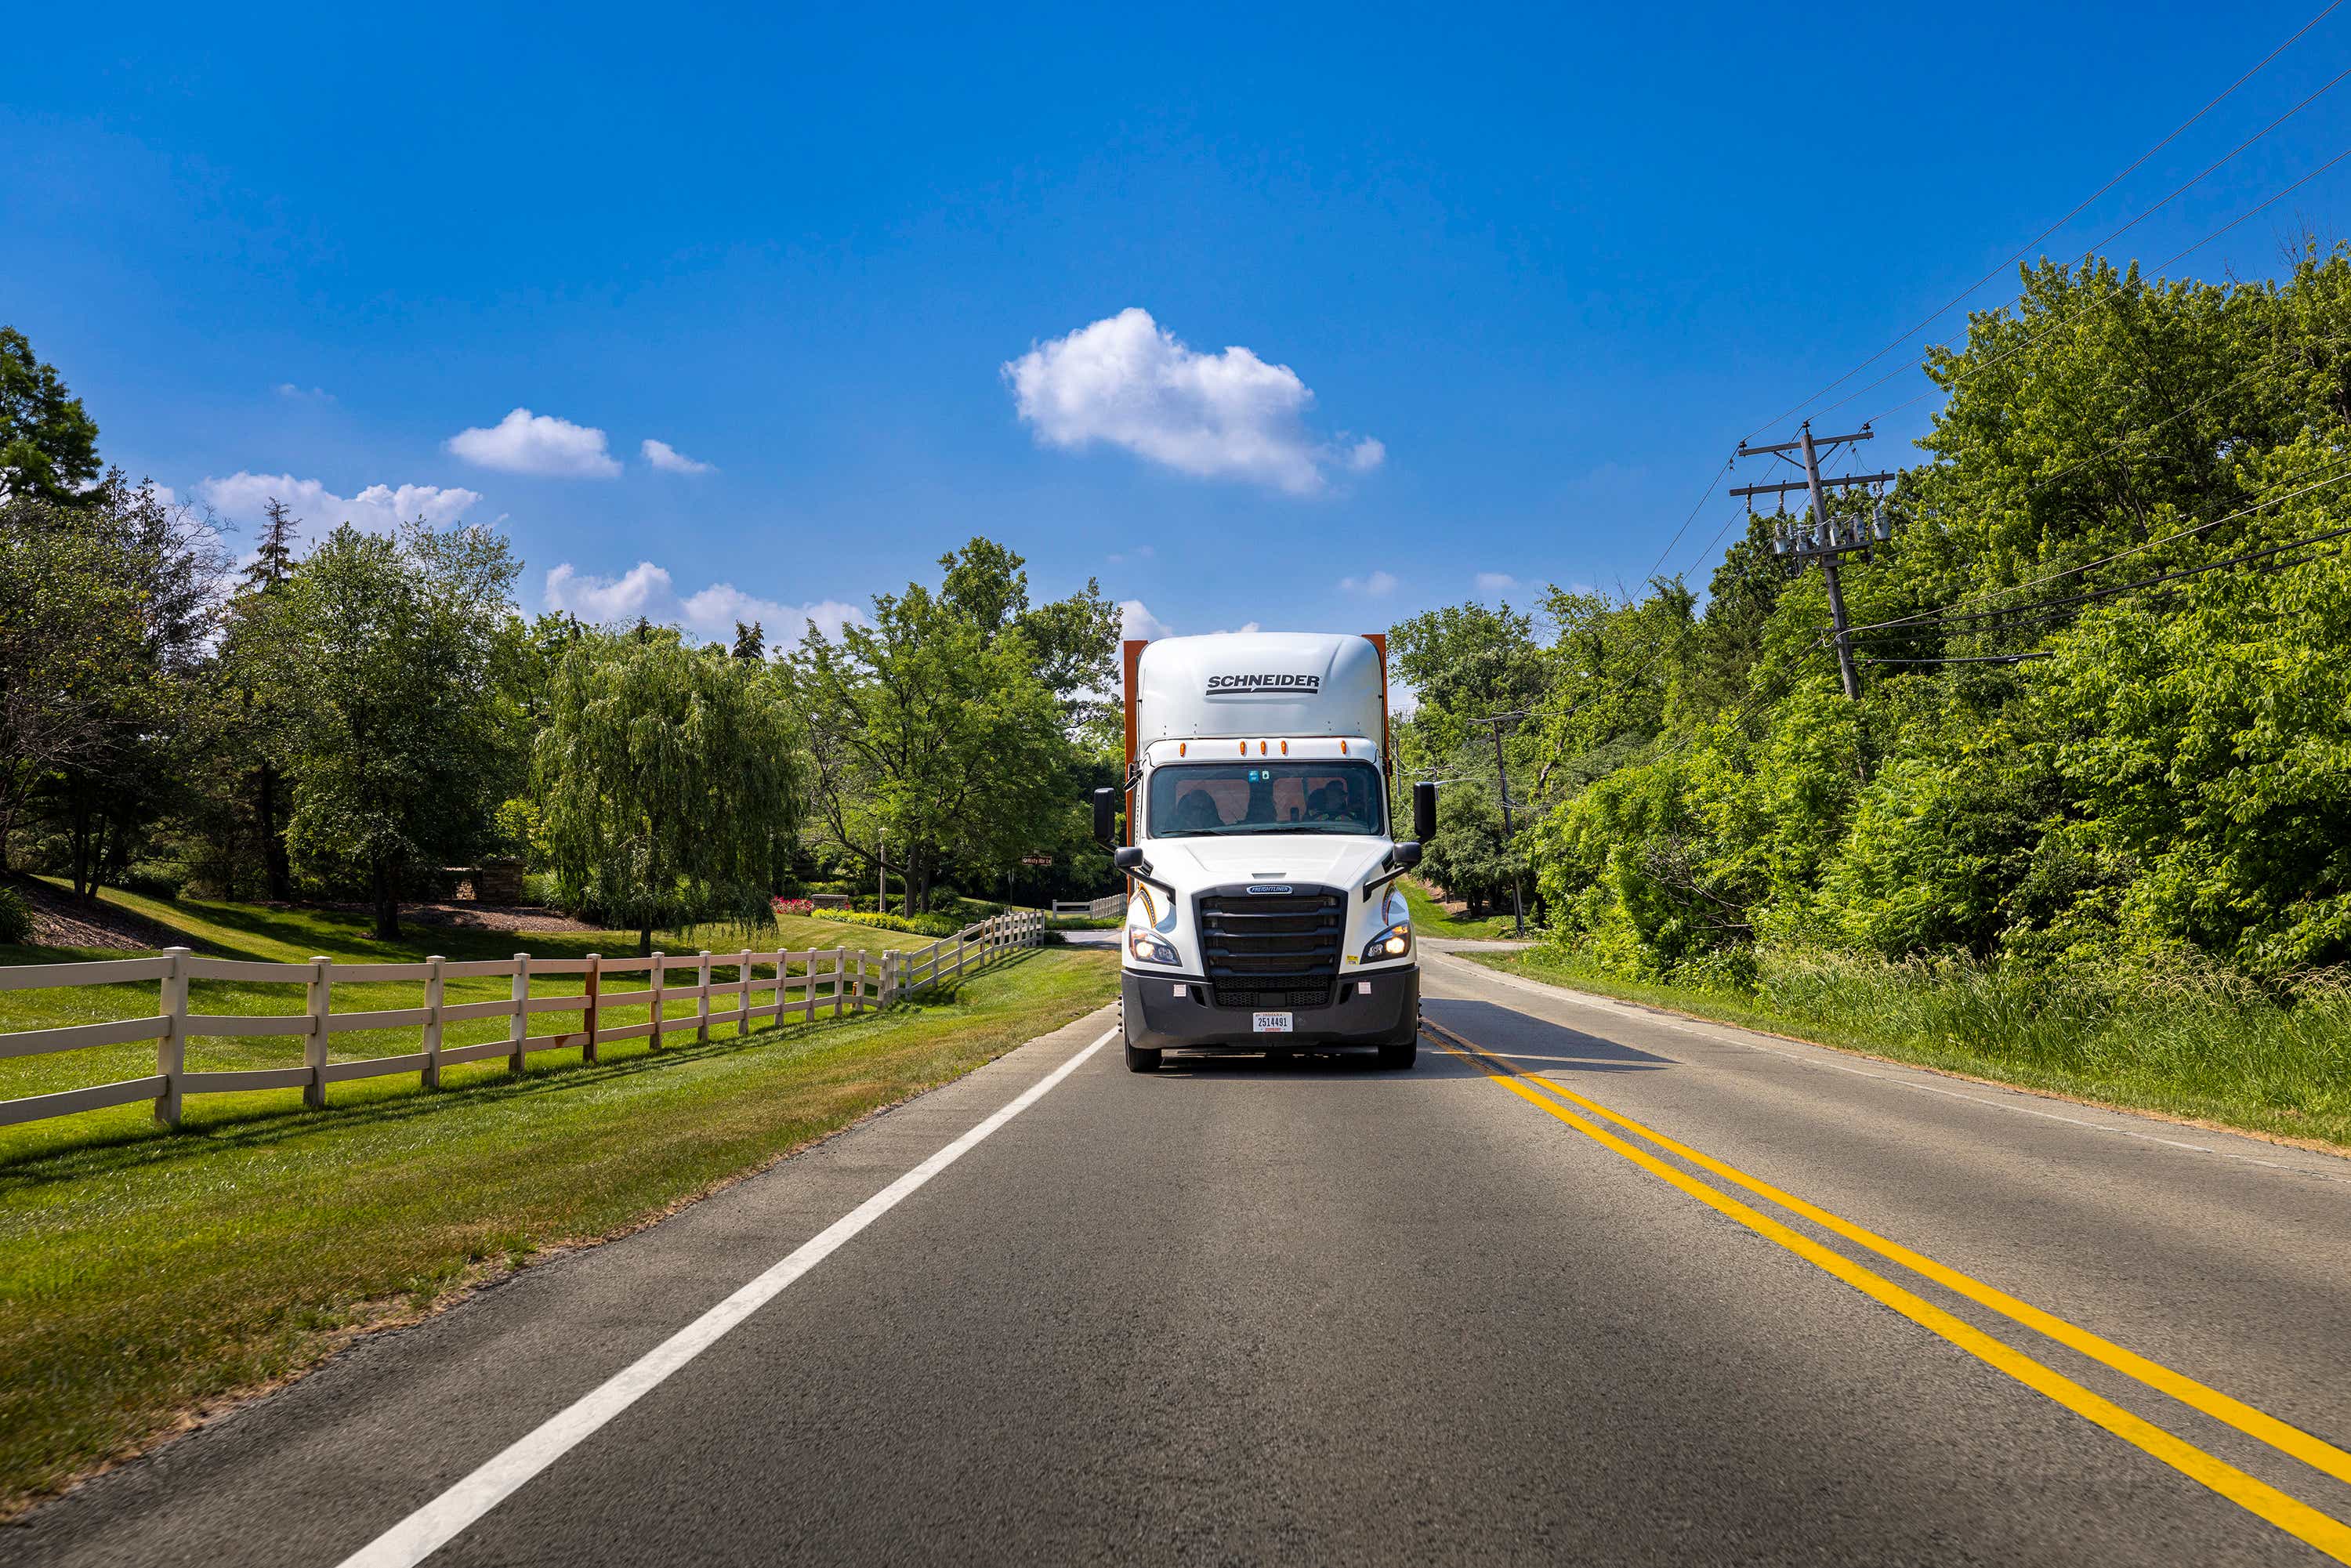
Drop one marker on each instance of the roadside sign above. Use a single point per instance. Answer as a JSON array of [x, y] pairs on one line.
[[1036, 860]]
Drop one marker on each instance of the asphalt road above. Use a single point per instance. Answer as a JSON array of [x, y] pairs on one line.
[[1241, 1311]]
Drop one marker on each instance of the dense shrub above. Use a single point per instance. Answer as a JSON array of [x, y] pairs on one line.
[[919, 925], [152, 879], [16, 917]]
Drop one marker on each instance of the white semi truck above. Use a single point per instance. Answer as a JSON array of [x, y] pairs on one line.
[[1262, 912]]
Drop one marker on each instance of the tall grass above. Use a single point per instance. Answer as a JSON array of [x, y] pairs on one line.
[[2168, 1036]]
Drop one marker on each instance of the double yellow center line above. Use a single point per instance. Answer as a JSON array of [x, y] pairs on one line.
[[2297, 1518]]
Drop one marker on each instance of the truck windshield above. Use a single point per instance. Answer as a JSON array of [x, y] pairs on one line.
[[1197, 799]]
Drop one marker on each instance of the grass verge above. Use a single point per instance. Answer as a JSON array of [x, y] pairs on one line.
[[1428, 917], [145, 1275], [2200, 1048]]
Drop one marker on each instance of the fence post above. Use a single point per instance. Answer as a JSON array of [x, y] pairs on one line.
[[859, 1005], [171, 1051], [808, 990], [702, 998], [840, 978], [431, 1079], [657, 976], [743, 976], [314, 1055], [519, 1024], [595, 984], [783, 958]]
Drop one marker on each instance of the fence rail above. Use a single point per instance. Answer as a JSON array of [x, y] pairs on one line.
[[832, 981], [1100, 908]]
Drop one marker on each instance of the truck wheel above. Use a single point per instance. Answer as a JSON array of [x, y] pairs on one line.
[[1400, 1056], [1140, 1059]]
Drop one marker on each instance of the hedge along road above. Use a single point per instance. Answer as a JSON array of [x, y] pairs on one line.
[[1588, 1282]]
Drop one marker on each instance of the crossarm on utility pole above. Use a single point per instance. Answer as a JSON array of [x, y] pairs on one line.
[[1806, 484]]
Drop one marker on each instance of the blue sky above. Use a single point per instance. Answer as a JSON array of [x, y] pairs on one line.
[[1431, 301]]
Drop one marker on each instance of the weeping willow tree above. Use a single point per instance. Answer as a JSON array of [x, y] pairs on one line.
[[668, 779]]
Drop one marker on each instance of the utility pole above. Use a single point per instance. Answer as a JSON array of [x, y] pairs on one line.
[[1502, 779], [881, 871], [1818, 536]]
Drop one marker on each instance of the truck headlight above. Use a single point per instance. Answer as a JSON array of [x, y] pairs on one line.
[[1146, 946], [1393, 943]]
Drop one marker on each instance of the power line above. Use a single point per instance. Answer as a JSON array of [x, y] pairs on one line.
[[1944, 615], [2128, 436], [2087, 306], [1944, 308], [1966, 659], [2056, 609], [1694, 511]]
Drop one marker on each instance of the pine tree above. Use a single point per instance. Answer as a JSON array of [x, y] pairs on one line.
[[750, 642], [274, 557]]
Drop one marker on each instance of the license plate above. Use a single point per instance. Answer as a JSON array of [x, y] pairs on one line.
[[1269, 1023]]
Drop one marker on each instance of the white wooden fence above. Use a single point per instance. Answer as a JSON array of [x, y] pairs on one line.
[[1100, 908], [832, 980]]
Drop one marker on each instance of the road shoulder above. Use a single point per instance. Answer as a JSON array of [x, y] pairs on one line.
[[2308, 1156]]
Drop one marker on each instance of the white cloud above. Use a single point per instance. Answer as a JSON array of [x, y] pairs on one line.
[[670, 460], [1245, 627], [1127, 381], [527, 443], [1377, 586], [378, 508], [1495, 581], [304, 394], [164, 495], [1137, 622], [647, 590]]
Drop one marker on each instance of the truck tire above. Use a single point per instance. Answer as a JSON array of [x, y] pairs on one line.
[[1142, 1058], [1400, 1056]]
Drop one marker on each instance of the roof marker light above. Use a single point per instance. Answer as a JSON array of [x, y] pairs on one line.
[[1285, 749], [1182, 747]]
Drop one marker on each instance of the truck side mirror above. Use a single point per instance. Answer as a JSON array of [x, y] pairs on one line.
[[1105, 815], [1424, 811], [1126, 857], [1405, 856]]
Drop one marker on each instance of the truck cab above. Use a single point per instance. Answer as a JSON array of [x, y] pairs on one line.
[[1262, 912]]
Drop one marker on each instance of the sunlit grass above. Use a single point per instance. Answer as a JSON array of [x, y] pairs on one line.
[[1429, 919], [2207, 1046]]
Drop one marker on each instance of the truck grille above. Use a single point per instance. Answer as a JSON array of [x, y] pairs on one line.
[[1272, 950]]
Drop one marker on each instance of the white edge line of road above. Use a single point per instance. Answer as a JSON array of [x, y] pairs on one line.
[[1731, 1034], [424, 1531]]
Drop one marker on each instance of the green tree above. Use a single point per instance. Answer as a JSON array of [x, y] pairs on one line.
[[48, 443], [106, 608], [668, 779], [380, 656], [1469, 856], [950, 724]]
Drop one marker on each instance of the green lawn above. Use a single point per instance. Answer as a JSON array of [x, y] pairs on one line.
[[2199, 1047], [144, 1273], [1429, 919]]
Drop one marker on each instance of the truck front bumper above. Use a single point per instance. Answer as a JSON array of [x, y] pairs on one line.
[[1156, 1019]]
